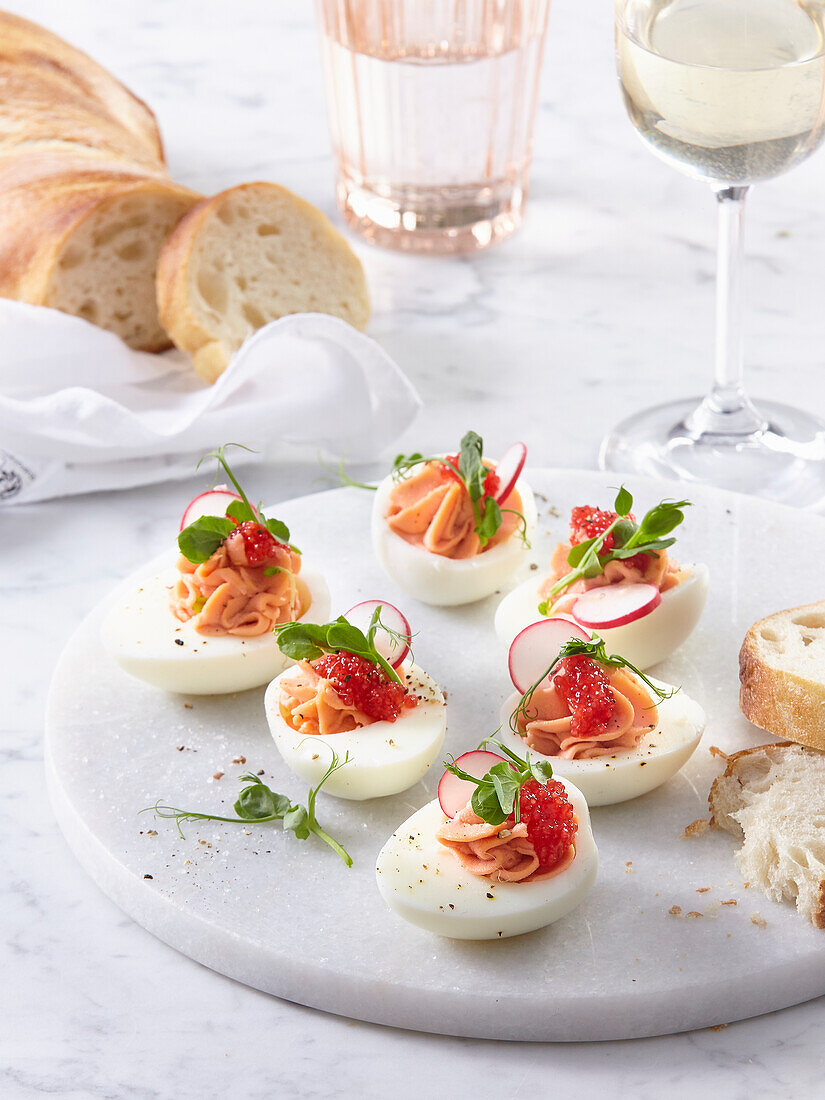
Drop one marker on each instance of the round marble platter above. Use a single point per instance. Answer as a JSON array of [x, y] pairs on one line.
[[669, 939]]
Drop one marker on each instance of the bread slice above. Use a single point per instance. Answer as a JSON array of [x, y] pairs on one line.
[[248, 256], [87, 243], [773, 798], [782, 674]]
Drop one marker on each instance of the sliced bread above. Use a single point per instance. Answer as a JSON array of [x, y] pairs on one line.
[[247, 256], [782, 674], [773, 798], [87, 243]]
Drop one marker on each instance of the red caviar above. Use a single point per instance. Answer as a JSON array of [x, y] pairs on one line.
[[259, 543], [363, 685], [551, 823], [589, 523], [582, 684], [492, 482]]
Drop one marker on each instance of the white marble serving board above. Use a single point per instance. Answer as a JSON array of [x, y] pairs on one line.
[[287, 917]]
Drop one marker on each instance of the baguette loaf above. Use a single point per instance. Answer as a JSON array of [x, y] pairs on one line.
[[773, 798], [247, 256], [782, 674], [85, 198]]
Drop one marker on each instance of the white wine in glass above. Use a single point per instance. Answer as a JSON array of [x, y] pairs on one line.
[[729, 92]]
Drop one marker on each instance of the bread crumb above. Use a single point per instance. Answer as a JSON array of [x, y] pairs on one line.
[[217, 775], [675, 910], [730, 901], [718, 1027], [758, 920], [702, 889], [700, 825], [693, 913]]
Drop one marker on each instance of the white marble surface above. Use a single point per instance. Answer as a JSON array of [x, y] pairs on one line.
[[610, 276]]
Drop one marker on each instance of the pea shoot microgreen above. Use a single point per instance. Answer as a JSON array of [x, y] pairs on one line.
[[629, 538], [578, 647], [472, 473], [199, 541], [497, 793], [257, 804], [308, 641], [340, 473]]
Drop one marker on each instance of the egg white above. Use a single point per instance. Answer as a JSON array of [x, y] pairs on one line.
[[610, 779], [424, 883], [643, 642], [144, 637], [440, 581], [384, 757]]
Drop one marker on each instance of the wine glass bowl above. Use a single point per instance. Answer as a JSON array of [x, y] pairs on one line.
[[729, 92]]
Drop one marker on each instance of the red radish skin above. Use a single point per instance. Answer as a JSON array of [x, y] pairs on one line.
[[455, 793], [537, 646], [615, 605], [509, 470], [361, 616], [213, 502]]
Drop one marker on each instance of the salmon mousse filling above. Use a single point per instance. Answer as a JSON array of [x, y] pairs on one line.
[[586, 711], [238, 573], [456, 506], [506, 851], [611, 548], [615, 576], [452, 529], [518, 825], [604, 725], [338, 693], [354, 692]]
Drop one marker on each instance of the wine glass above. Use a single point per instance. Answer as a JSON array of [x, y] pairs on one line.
[[730, 92]]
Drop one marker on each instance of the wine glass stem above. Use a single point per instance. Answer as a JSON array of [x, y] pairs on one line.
[[727, 411]]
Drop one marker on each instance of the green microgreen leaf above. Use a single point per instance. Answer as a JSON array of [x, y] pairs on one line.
[[623, 502], [199, 541], [257, 804], [242, 512], [586, 559], [472, 473], [308, 641], [278, 529], [497, 793]]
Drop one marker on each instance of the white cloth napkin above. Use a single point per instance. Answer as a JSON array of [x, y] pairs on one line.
[[81, 411]]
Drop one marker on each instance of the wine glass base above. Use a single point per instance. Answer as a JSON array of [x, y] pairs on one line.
[[784, 462]]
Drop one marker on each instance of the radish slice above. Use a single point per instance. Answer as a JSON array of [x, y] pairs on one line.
[[509, 470], [391, 649], [213, 502], [455, 793], [537, 646], [615, 604]]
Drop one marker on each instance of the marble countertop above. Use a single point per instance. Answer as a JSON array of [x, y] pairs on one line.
[[603, 303]]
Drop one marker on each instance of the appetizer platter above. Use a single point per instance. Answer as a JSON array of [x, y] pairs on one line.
[[443, 761]]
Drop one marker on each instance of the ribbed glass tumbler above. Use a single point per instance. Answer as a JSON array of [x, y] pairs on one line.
[[431, 107]]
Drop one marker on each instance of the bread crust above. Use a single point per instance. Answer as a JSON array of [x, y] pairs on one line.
[[210, 353], [73, 142], [784, 704], [48, 58]]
